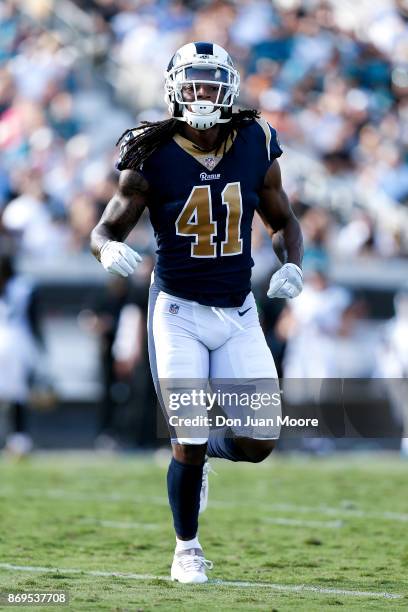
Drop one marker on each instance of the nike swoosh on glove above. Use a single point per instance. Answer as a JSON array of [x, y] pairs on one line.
[[119, 258], [286, 282]]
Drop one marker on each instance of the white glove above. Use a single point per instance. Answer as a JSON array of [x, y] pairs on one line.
[[119, 258], [286, 282]]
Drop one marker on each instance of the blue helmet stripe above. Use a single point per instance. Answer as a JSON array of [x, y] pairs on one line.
[[204, 48]]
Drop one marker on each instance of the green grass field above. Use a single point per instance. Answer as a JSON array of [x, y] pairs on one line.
[[338, 524]]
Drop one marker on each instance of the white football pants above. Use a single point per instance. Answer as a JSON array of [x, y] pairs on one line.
[[191, 345]]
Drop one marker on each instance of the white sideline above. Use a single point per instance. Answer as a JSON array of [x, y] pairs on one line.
[[275, 520], [343, 512], [163, 501], [232, 583]]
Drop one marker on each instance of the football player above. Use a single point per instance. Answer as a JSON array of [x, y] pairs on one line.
[[202, 174]]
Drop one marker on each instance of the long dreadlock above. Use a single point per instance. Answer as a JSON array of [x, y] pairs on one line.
[[136, 144]]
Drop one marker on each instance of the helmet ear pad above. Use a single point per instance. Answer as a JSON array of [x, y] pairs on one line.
[[177, 110]]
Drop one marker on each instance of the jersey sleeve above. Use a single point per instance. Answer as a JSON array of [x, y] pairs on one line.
[[123, 148], [124, 142], [270, 141]]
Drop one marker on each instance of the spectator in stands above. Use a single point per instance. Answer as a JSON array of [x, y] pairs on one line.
[[20, 348], [392, 363], [119, 324], [310, 324]]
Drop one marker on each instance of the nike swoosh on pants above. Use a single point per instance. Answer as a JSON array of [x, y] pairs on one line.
[[241, 314]]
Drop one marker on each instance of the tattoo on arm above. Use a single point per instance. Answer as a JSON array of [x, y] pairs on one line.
[[132, 183], [122, 211]]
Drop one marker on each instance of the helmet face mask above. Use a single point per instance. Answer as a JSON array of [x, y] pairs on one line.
[[200, 88], [215, 81]]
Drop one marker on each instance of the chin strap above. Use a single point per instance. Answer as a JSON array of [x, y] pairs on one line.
[[201, 122], [204, 115]]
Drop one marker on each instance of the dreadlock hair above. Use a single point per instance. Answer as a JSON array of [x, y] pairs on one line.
[[136, 148]]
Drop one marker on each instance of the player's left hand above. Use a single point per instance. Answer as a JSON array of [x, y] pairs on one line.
[[286, 282]]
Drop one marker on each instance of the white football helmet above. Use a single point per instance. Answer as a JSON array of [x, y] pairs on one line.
[[192, 65]]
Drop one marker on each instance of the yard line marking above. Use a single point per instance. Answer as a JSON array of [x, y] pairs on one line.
[[300, 523], [64, 494], [236, 583], [275, 520], [120, 524], [163, 501]]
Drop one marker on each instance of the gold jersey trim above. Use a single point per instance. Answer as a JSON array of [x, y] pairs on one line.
[[264, 125], [207, 158]]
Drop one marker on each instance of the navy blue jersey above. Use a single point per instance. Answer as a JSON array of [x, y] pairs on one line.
[[201, 208]]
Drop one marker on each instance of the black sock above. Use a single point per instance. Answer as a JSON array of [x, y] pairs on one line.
[[184, 486], [17, 418]]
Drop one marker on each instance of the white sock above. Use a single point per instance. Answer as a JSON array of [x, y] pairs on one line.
[[186, 544]]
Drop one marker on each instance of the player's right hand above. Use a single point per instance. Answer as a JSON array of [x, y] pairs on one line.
[[119, 258]]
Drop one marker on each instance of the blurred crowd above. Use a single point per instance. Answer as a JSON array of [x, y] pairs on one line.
[[331, 77]]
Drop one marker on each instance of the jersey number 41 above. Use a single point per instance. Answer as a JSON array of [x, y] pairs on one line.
[[196, 219]]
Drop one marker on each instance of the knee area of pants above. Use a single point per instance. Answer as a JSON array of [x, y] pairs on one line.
[[260, 450]]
